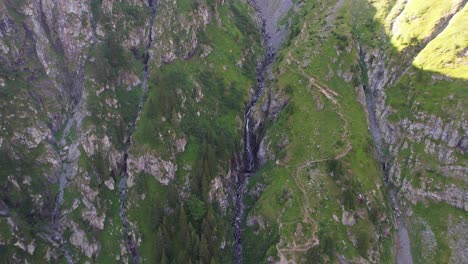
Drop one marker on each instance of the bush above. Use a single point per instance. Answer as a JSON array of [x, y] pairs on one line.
[[111, 58], [96, 9], [243, 22], [327, 244], [363, 242], [348, 199], [285, 196], [289, 89], [335, 167], [197, 208]]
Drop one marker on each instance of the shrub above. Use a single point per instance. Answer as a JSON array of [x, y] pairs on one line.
[[196, 208], [363, 242]]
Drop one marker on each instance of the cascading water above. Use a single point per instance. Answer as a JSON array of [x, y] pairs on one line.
[[123, 190], [250, 139]]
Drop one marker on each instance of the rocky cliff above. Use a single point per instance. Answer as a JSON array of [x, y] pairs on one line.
[[75, 77], [393, 58]]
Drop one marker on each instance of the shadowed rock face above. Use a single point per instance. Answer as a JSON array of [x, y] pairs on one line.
[[268, 15]]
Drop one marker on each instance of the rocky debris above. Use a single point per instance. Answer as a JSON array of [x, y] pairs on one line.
[[256, 221], [162, 170], [92, 144], [273, 11], [462, 144], [56, 37], [177, 39], [130, 79], [442, 139], [92, 217], [429, 241], [218, 194], [458, 228], [267, 14], [71, 37], [335, 217], [4, 210], [264, 153], [180, 144], [450, 194], [457, 172], [89, 198], [109, 184], [79, 239], [206, 51], [403, 245], [74, 35], [347, 76], [257, 190], [29, 248], [31, 137], [348, 218]]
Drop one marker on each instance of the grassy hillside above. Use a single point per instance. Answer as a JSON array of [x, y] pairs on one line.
[[324, 155], [72, 79], [324, 194], [201, 102]]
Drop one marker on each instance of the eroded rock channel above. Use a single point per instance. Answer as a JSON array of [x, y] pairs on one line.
[[267, 14], [123, 189], [374, 92]]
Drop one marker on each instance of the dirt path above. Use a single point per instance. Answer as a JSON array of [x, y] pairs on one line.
[[332, 96]]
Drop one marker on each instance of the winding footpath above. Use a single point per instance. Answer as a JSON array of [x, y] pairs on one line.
[[249, 146], [332, 96]]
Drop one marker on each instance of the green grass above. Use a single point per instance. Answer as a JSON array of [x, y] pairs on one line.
[[417, 21], [310, 122], [305, 127], [201, 100], [444, 53], [408, 25], [145, 212], [417, 92], [439, 217]]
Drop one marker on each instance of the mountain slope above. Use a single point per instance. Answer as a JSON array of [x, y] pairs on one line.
[[338, 55], [132, 131]]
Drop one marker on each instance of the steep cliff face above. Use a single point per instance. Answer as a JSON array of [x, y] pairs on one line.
[[420, 110], [74, 77], [381, 54], [318, 196]]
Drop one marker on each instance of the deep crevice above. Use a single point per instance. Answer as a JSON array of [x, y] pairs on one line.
[[132, 247], [403, 252], [251, 139]]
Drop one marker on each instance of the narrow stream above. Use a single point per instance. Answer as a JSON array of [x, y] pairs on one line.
[[250, 139], [69, 156], [132, 247]]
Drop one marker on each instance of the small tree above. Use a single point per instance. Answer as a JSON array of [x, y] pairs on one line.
[[204, 252], [363, 242]]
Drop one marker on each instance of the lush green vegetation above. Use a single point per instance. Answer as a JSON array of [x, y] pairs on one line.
[[321, 197], [201, 100], [438, 219], [318, 172]]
